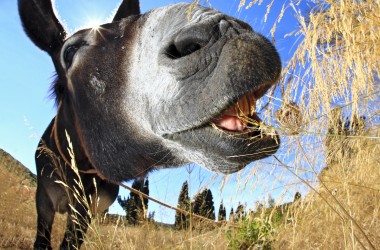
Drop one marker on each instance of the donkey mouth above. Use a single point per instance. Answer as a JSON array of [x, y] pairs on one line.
[[241, 119]]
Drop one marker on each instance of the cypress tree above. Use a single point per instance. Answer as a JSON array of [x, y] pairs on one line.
[[232, 215], [222, 212], [122, 202], [209, 210], [240, 213], [131, 211], [199, 199], [181, 220], [204, 204], [136, 206], [145, 190]]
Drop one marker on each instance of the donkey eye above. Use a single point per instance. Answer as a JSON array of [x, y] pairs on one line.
[[69, 55]]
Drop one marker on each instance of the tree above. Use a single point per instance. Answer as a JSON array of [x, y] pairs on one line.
[[240, 212], [232, 215], [203, 204], [135, 205], [129, 207], [151, 216], [297, 196], [222, 212], [145, 190], [271, 202], [209, 209], [122, 202], [181, 220]]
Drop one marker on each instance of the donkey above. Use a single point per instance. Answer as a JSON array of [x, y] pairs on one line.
[[146, 91]]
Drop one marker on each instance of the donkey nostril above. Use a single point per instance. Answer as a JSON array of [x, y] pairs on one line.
[[175, 52], [172, 52], [189, 48]]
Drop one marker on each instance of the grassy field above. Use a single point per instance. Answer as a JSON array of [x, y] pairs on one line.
[[342, 213]]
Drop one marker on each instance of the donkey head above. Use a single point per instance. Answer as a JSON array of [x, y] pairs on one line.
[[160, 89]]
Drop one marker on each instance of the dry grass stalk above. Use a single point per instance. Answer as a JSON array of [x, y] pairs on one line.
[[335, 65]]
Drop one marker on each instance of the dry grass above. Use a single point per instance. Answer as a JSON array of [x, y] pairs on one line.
[[150, 236], [335, 65], [16, 213], [344, 212]]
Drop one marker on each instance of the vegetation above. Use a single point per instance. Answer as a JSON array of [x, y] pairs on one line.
[[18, 215], [328, 116], [251, 233], [203, 204], [182, 220], [136, 206], [222, 212]]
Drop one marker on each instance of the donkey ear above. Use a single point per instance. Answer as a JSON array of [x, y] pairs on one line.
[[41, 24], [126, 9]]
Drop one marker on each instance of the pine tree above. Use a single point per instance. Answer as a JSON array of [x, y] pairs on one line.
[[232, 215], [140, 203], [240, 212], [136, 206], [222, 212], [151, 216], [122, 202], [203, 204], [145, 190], [131, 211], [209, 210], [271, 202], [181, 220], [197, 204], [297, 196]]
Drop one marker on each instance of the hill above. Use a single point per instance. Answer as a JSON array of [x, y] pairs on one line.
[[13, 166], [18, 216], [17, 206]]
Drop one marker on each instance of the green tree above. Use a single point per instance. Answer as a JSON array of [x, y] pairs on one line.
[[232, 215], [145, 190], [203, 204], [135, 206], [209, 210], [129, 207], [222, 212], [181, 220], [240, 212]]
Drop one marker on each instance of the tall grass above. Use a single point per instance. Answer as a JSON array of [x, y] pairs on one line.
[[332, 79]]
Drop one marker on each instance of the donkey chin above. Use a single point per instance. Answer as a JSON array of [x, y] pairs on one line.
[[146, 91]]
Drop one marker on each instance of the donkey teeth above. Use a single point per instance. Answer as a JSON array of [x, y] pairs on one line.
[[246, 106]]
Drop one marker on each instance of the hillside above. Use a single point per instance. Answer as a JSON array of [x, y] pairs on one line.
[[17, 207], [14, 167]]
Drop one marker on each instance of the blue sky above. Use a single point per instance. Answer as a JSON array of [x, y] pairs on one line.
[[26, 109]]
